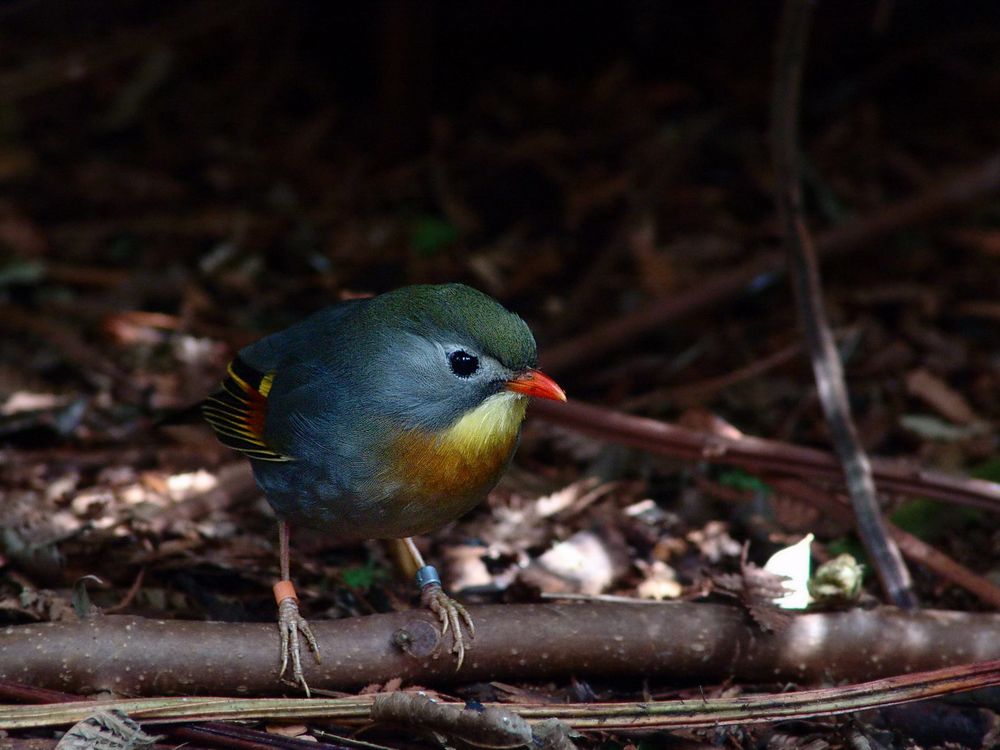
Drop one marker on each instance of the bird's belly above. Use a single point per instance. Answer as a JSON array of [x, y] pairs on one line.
[[421, 484]]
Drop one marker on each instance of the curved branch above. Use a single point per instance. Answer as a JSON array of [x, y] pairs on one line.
[[511, 723], [760, 454]]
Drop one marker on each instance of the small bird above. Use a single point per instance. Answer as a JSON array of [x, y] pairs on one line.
[[381, 418]]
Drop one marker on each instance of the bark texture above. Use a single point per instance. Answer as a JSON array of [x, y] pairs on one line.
[[684, 643]]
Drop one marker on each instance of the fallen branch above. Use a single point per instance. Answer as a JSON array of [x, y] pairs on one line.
[[360, 711], [759, 454], [680, 641]]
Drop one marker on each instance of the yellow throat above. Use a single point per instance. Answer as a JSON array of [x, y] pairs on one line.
[[487, 429]]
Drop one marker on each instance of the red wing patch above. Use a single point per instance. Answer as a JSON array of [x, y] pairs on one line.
[[237, 412]]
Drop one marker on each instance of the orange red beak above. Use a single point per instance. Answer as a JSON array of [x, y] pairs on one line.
[[536, 383]]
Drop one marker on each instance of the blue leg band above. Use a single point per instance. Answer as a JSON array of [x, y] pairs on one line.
[[428, 576]]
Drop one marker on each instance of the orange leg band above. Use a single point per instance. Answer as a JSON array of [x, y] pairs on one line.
[[284, 590]]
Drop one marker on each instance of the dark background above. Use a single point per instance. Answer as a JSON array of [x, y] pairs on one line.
[[178, 178]]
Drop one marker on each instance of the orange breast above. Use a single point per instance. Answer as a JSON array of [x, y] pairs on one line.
[[429, 466], [432, 478], [438, 482]]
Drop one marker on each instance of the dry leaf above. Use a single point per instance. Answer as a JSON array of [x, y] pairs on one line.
[[289, 730], [933, 391], [106, 730]]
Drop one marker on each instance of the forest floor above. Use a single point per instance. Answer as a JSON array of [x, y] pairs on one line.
[[159, 211]]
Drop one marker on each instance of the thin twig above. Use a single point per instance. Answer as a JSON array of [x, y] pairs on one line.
[[204, 734], [885, 556], [130, 594], [705, 389], [759, 454], [700, 712]]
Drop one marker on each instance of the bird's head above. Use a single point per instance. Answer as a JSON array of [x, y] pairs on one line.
[[452, 358]]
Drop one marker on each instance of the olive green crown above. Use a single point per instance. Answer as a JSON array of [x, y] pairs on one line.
[[460, 310]]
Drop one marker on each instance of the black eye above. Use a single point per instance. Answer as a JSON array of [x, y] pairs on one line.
[[463, 364]]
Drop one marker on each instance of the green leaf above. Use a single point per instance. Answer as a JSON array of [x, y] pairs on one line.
[[363, 577], [849, 545], [431, 234], [930, 427], [988, 470], [930, 520], [21, 272], [741, 480]]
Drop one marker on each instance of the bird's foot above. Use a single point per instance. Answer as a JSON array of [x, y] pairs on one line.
[[290, 624], [451, 614]]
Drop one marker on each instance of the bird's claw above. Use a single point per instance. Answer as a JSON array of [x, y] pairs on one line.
[[290, 623], [452, 615]]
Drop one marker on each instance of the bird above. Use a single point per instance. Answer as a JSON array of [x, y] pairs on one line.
[[380, 418]]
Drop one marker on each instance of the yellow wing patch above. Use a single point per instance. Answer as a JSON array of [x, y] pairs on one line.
[[237, 412]]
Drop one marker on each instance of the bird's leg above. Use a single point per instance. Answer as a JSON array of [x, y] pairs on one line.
[[451, 614], [290, 622]]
